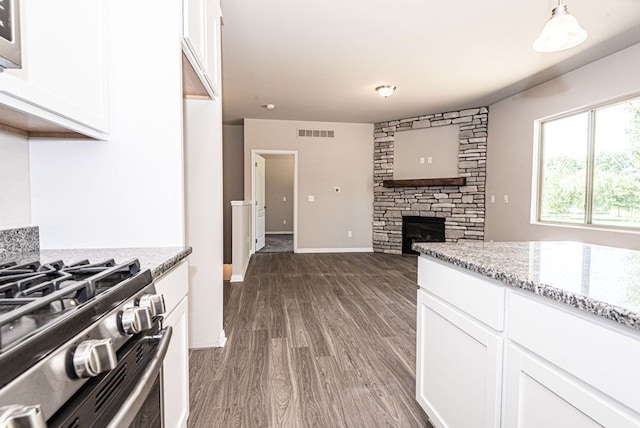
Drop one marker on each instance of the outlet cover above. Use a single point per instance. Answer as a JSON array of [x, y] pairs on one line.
[[311, 198]]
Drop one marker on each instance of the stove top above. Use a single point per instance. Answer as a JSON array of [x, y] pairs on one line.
[[44, 305]]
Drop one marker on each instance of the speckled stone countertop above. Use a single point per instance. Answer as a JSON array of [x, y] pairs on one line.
[[159, 260], [601, 280], [14, 242]]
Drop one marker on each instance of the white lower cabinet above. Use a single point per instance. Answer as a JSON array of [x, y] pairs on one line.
[[459, 364], [488, 356], [174, 287], [540, 395]]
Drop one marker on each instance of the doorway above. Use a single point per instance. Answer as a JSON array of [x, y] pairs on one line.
[[274, 188]]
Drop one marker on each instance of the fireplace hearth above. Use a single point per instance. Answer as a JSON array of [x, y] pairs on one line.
[[421, 229]]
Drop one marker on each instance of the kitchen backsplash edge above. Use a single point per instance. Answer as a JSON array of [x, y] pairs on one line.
[[18, 241]]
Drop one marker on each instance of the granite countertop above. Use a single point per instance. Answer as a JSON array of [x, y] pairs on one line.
[[158, 259], [604, 281]]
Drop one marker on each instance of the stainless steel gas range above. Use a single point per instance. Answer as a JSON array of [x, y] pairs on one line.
[[81, 345]]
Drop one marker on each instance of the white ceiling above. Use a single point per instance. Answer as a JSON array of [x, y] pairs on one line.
[[321, 60]]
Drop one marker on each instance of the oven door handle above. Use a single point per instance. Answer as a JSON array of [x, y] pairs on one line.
[[136, 399]]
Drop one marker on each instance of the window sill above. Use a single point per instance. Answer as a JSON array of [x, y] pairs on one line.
[[595, 228]]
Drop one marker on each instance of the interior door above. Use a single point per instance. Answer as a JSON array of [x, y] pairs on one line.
[[260, 202]]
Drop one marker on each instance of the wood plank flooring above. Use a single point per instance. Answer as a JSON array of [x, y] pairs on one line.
[[314, 340]]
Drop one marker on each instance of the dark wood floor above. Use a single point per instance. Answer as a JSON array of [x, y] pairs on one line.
[[314, 340]]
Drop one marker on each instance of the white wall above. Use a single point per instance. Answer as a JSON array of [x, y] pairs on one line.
[[128, 191], [203, 184], [345, 161], [15, 202], [510, 147], [241, 212]]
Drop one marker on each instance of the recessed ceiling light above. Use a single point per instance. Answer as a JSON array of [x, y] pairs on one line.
[[386, 90], [269, 106]]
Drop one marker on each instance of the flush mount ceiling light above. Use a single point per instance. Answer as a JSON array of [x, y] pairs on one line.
[[386, 90], [561, 32], [269, 106]]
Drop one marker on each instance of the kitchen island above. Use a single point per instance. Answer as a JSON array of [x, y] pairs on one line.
[[524, 334]]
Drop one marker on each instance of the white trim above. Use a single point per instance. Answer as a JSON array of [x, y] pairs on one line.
[[222, 340], [240, 203], [283, 232], [240, 277], [253, 193], [334, 250]]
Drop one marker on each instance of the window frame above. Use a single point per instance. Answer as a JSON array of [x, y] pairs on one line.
[[538, 170]]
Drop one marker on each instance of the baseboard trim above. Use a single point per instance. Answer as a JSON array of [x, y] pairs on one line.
[[239, 277], [222, 340], [283, 232], [334, 250]]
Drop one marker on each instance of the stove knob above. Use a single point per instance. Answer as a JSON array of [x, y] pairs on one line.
[[17, 415], [93, 357], [153, 302], [136, 319]]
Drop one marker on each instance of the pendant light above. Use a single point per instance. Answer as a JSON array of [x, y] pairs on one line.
[[561, 32]]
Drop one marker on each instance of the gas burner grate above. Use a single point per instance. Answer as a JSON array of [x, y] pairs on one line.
[[33, 295]]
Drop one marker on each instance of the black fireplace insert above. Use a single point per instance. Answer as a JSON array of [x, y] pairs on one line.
[[421, 229]]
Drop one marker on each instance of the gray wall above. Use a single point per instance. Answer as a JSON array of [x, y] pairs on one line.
[[233, 178], [344, 161], [279, 185], [15, 199], [441, 144], [510, 157]]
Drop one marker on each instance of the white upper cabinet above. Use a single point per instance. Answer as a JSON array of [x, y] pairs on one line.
[[201, 48], [194, 31], [62, 85]]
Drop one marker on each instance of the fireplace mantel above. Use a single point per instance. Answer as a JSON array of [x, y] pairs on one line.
[[426, 182]]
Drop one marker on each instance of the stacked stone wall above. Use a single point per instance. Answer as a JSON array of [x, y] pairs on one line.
[[462, 207]]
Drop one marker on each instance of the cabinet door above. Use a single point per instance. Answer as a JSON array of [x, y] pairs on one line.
[[540, 395], [214, 47], [64, 73], [194, 29], [175, 370], [458, 368]]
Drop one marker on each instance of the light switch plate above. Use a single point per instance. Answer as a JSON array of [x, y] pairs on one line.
[[311, 198], [284, 199]]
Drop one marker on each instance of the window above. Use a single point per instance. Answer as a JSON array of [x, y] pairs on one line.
[[590, 167]]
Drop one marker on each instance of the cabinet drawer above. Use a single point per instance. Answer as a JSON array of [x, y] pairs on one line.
[[465, 290], [591, 351], [174, 285]]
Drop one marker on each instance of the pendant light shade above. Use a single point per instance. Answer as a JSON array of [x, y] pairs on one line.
[[561, 32]]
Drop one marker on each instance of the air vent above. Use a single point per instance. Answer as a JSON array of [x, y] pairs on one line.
[[107, 390], [139, 353], [315, 133]]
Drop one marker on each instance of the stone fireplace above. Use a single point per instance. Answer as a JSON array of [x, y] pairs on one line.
[[461, 206]]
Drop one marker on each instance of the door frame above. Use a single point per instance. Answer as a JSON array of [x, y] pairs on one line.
[[253, 193]]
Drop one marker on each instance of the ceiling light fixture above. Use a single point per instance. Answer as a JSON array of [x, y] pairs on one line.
[[386, 90], [562, 31], [269, 106]]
